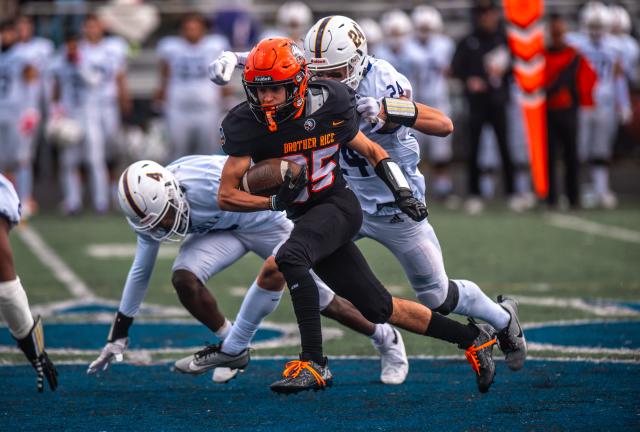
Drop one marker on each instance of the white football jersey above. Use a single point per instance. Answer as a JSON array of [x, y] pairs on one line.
[[9, 201], [430, 69], [630, 50], [12, 84], [118, 49], [189, 87], [38, 50], [603, 56], [73, 89], [381, 79]]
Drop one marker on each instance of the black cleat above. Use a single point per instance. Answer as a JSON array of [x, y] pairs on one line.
[[480, 355], [302, 375], [211, 357]]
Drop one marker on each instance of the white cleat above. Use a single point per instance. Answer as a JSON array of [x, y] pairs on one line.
[[223, 375], [394, 364]]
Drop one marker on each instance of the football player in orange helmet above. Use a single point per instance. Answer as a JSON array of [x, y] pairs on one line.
[[282, 120]]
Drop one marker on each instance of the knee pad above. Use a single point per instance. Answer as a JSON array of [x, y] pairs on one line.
[[451, 301]]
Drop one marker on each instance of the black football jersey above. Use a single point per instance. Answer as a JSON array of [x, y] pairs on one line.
[[330, 120]]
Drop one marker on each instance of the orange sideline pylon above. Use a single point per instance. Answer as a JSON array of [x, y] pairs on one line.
[[526, 41]]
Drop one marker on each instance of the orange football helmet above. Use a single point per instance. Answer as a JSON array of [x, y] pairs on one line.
[[276, 62]]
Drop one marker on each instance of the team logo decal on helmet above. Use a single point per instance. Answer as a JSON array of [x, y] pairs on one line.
[[276, 62], [309, 125]]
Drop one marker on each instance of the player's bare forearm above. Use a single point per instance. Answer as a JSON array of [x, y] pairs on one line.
[[431, 121], [371, 150], [230, 198]]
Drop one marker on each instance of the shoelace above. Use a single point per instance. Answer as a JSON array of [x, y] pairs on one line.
[[207, 351], [294, 368], [472, 354]]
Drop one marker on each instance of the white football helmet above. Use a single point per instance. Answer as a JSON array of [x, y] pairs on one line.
[[595, 19], [64, 132], [620, 20], [153, 202], [396, 27], [426, 21], [336, 42], [294, 16]]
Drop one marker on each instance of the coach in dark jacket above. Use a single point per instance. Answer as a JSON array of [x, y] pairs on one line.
[[482, 63]]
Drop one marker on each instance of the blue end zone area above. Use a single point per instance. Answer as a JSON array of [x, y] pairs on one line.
[[143, 335], [438, 395], [614, 334]]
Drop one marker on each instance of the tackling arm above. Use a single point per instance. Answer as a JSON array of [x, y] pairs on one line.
[[390, 113], [391, 174]]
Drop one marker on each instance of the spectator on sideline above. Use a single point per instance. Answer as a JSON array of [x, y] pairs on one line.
[[569, 83], [482, 63]]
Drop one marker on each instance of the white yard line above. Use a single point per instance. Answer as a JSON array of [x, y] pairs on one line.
[[47, 256], [602, 309], [578, 224]]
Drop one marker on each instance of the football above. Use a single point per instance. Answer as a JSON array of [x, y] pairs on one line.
[[266, 177]]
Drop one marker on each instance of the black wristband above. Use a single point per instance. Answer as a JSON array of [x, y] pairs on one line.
[[400, 111], [120, 327]]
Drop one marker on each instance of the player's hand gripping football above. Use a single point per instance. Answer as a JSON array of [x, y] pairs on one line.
[[290, 189], [113, 351], [411, 206]]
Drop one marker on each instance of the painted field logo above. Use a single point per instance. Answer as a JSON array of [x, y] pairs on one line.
[[309, 125]]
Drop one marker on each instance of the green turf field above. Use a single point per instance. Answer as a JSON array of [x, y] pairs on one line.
[[558, 272]]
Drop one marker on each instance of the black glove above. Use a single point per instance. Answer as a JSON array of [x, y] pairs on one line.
[[289, 190], [411, 206]]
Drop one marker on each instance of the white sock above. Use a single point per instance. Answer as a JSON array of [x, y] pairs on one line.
[[472, 302], [14, 307], [257, 304], [223, 331], [600, 176], [378, 335]]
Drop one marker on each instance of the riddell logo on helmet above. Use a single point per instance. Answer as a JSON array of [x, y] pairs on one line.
[[264, 78], [319, 61]]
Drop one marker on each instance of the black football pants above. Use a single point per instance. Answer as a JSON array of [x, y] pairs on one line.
[[561, 127], [322, 239]]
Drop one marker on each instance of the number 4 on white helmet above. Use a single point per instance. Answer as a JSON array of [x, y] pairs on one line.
[[337, 42], [153, 202]]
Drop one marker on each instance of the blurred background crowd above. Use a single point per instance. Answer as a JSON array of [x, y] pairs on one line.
[[86, 87]]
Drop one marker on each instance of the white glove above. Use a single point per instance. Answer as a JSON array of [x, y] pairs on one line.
[[113, 351], [369, 108], [221, 69]]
